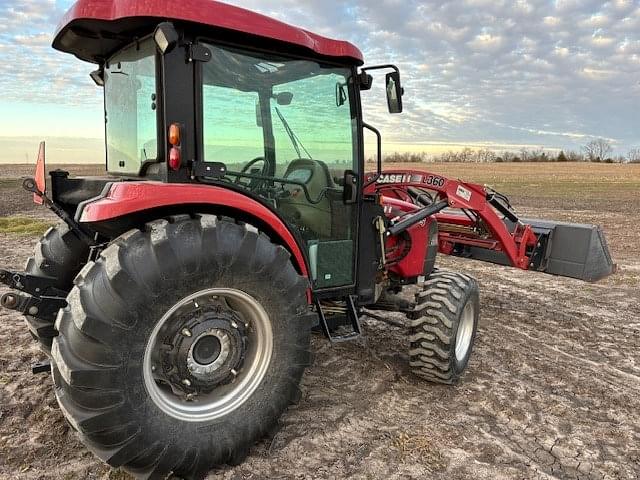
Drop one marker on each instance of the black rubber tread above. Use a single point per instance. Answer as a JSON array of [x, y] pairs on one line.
[[97, 358], [434, 325], [59, 254]]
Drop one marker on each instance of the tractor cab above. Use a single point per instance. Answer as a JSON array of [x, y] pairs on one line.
[[275, 117]]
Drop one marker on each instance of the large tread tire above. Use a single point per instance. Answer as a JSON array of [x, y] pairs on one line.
[[118, 299], [60, 254], [435, 324]]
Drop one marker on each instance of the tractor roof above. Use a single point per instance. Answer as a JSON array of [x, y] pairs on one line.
[[94, 29]]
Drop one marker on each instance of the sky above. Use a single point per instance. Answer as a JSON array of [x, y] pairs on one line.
[[505, 75]]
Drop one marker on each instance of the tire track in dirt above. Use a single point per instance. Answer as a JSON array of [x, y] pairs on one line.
[[595, 366]]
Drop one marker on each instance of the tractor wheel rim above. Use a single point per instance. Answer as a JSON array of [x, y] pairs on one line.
[[465, 332], [226, 398]]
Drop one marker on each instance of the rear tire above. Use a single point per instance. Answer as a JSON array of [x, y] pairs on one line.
[[120, 306], [443, 326], [59, 254]]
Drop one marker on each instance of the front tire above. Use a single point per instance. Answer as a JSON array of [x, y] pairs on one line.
[[443, 324], [135, 361]]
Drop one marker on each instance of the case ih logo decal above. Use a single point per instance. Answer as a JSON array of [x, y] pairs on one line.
[[398, 178], [433, 180]]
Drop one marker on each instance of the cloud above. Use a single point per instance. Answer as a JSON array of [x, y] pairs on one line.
[[33, 71], [544, 72], [486, 43], [35, 39]]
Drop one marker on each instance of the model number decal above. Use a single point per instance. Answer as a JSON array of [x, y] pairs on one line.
[[434, 181]]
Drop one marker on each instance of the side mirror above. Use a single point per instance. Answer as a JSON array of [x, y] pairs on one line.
[[394, 92], [350, 192]]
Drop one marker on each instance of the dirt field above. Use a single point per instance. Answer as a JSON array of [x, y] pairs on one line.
[[552, 391]]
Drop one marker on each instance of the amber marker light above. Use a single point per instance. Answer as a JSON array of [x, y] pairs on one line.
[[174, 134]]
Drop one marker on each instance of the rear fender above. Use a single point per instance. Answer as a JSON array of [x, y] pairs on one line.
[[123, 199]]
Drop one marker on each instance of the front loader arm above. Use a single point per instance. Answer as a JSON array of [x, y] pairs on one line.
[[480, 223]]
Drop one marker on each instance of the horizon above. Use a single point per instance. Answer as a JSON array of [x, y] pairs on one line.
[[537, 75], [79, 151]]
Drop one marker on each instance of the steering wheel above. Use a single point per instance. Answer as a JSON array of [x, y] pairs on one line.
[[253, 183]]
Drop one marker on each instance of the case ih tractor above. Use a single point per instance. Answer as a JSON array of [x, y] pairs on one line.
[[177, 298]]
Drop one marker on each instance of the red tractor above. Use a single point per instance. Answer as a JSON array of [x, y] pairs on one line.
[[177, 299]]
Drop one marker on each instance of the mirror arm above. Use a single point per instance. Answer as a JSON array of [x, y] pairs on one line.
[[366, 80], [381, 67], [379, 137]]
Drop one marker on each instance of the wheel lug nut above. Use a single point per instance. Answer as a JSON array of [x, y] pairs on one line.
[[185, 332], [234, 324], [234, 372], [186, 382]]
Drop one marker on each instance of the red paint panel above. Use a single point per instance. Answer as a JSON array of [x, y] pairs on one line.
[[129, 197], [211, 13], [413, 264]]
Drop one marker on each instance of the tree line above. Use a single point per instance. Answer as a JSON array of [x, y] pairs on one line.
[[597, 151]]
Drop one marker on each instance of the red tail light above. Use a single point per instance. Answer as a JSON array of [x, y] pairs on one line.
[[175, 160], [39, 176]]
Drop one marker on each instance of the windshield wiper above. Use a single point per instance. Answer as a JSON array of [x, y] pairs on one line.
[[295, 141]]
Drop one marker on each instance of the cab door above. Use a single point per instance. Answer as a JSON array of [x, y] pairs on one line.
[[286, 129], [316, 144]]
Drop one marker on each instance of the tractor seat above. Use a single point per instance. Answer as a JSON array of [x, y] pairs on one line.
[[314, 173], [312, 217]]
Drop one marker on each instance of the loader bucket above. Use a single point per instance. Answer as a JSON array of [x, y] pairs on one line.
[[563, 249], [571, 250]]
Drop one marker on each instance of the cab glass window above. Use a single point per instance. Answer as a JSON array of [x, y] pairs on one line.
[[130, 109]]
